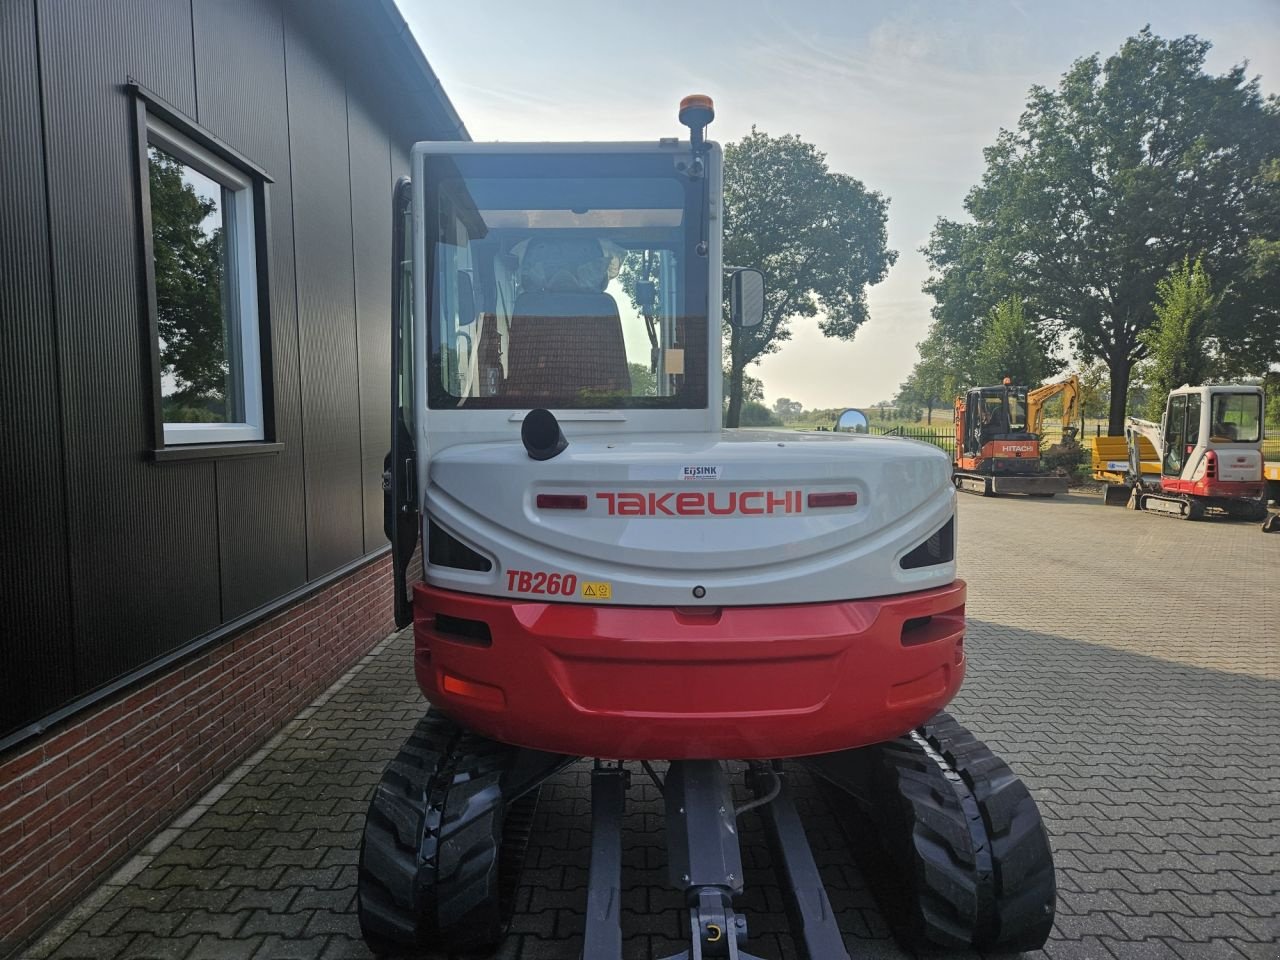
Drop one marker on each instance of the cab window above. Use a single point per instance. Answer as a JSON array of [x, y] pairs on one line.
[[1174, 431], [1237, 418], [565, 282]]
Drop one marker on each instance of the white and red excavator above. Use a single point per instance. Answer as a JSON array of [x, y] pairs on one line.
[[1209, 445], [608, 575]]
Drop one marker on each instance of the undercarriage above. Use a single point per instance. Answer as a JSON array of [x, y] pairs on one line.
[[1183, 506], [970, 860], [996, 485]]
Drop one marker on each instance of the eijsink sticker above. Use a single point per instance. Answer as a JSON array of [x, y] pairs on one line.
[[700, 473]]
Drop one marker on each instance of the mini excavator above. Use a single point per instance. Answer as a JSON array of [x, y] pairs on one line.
[[1209, 446], [608, 577]]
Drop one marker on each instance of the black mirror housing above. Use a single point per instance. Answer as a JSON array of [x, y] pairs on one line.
[[746, 298]]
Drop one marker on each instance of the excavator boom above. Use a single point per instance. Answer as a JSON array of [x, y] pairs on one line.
[[1037, 398]]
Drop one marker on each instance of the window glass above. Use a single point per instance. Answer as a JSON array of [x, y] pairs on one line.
[[204, 268], [565, 282], [1174, 431], [189, 243], [1236, 418], [1193, 422], [1017, 411]]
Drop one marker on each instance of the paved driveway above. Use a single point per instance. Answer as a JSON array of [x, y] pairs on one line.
[[1128, 666]]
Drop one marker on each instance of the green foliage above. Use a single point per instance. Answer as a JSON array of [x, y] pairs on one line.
[[1247, 324], [756, 414], [824, 417], [1128, 166], [1094, 396], [189, 292], [752, 388], [1176, 344], [644, 383], [1067, 456], [787, 410], [1010, 348], [819, 237], [1271, 399]]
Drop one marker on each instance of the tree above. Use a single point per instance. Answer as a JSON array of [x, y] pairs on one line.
[[1126, 168], [1094, 399], [818, 236], [756, 414], [189, 311], [1177, 343], [787, 410], [644, 382], [1247, 322], [1010, 348], [752, 388]]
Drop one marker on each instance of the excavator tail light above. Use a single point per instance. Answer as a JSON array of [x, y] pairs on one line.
[[562, 501], [847, 499]]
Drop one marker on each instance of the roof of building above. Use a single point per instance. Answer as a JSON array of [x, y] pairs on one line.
[[376, 36]]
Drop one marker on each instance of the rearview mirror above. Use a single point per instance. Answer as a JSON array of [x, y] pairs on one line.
[[851, 421], [746, 298]]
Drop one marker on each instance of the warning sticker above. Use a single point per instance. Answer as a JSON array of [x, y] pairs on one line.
[[597, 590]]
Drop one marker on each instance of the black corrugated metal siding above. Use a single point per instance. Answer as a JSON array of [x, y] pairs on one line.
[[123, 554], [111, 561], [371, 233], [326, 307], [243, 98], [33, 535]]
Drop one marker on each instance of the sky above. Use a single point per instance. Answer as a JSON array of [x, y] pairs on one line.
[[901, 94]]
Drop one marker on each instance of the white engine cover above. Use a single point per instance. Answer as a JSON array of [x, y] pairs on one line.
[[666, 515]]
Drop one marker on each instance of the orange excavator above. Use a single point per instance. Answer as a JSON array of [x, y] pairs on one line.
[[998, 434]]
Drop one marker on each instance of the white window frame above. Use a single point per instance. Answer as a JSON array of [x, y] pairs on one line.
[[242, 264]]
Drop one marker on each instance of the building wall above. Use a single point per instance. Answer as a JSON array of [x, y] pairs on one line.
[[112, 561], [152, 628], [78, 802]]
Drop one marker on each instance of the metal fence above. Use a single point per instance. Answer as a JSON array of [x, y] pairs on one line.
[[945, 439]]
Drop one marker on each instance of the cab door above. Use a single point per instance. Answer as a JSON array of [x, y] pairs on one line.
[[1175, 434], [399, 477]]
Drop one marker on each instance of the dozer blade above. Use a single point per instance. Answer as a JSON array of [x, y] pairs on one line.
[[1116, 495], [1032, 486]]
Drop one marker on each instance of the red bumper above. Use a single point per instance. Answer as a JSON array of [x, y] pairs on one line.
[[661, 683]]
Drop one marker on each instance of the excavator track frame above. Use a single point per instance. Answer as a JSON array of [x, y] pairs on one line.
[[958, 833], [444, 840]]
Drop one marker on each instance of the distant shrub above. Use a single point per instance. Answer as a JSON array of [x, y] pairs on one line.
[[758, 415]]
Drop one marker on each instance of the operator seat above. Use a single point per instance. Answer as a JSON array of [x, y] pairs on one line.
[[565, 342]]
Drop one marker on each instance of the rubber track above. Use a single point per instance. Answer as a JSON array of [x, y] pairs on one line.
[[434, 874], [966, 839]]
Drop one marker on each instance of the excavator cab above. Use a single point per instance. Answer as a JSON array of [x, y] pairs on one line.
[[994, 413]]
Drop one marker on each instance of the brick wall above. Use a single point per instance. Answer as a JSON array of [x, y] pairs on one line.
[[86, 795]]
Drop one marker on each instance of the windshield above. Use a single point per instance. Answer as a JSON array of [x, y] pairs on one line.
[[1017, 409], [1004, 410], [1237, 418], [565, 281]]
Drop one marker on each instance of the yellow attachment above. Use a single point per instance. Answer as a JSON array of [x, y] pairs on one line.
[[1111, 459]]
